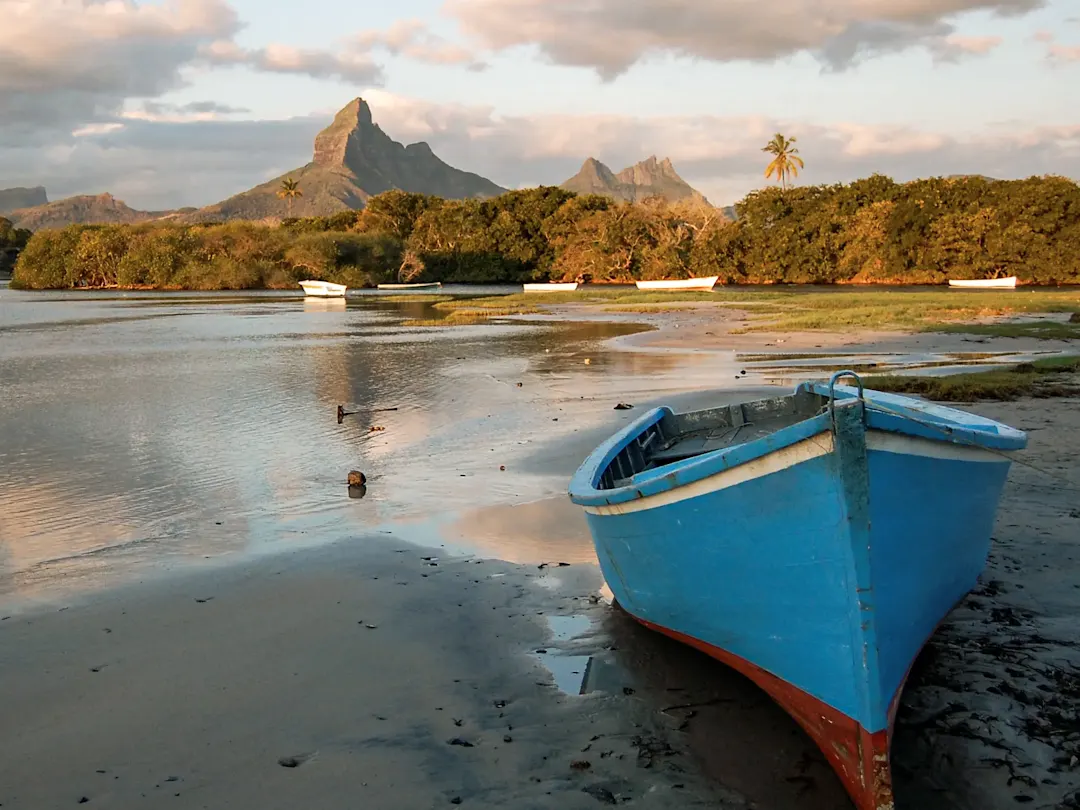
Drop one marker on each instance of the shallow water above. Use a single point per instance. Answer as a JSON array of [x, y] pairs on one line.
[[145, 428]]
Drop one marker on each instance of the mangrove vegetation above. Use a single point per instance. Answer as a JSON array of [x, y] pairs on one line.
[[871, 231]]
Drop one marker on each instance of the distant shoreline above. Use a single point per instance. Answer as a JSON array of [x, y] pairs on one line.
[[598, 286]]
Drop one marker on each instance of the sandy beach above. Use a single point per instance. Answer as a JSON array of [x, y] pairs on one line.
[[376, 672]]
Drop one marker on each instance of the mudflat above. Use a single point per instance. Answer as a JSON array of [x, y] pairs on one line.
[[367, 674]]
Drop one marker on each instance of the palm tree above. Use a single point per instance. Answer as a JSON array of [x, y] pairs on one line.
[[786, 161], [289, 191]]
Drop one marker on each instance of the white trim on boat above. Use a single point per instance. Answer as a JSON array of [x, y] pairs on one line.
[[805, 450], [928, 448], [679, 284], [551, 287], [984, 282]]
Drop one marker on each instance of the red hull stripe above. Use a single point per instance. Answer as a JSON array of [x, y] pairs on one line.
[[860, 758]]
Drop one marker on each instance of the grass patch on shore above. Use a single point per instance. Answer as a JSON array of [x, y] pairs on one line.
[[779, 310], [1046, 330], [624, 297], [1049, 377], [946, 311]]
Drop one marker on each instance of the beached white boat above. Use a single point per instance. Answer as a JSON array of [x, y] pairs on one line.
[[553, 286], [995, 283], [426, 285], [679, 284], [323, 289]]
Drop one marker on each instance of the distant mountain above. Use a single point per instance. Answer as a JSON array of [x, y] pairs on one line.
[[354, 160], [649, 178], [11, 199], [100, 209]]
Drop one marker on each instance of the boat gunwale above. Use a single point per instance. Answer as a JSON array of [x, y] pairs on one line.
[[897, 413], [902, 418]]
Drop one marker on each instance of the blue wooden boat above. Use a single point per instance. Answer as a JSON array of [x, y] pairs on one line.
[[812, 541]]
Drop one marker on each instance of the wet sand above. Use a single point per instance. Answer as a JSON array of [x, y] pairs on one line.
[[334, 677], [708, 328], [339, 675]]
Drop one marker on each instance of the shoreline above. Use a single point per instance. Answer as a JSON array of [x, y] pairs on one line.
[[592, 285], [276, 653]]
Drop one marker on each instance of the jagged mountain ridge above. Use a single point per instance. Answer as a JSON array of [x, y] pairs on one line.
[[649, 178], [353, 160]]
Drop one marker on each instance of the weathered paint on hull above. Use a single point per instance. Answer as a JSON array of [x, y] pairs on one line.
[[819, 570], [859, 758]]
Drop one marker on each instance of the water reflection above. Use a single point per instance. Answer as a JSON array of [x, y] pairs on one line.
[[151, 428], [549, 530], [147, 428]]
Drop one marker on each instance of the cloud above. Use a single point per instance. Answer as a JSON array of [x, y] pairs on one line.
[[956, 45], [413, 39], [347, 65], [97, 129], [71, 64], [612, 35], [65, 62], [159, 165], [1057, 53]]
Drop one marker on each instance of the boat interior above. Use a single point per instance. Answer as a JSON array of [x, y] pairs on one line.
[[677, 437]]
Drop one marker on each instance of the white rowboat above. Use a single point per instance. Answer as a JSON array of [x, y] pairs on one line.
[[566, 286], [679, 284], [323, 289], [426, 285], [995, 283]]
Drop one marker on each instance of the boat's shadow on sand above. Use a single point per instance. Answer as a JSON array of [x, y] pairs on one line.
[[738, 735]]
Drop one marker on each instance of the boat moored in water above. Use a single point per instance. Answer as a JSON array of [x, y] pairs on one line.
[[990, 283], [812, 541], [424, 285], [679, 284], [552, 286], [323, 289]]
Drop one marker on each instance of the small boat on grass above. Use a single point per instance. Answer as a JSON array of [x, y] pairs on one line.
[[990, 283], [552, 286], [679, 284], [812, 541], [424, 285], [323, 289]]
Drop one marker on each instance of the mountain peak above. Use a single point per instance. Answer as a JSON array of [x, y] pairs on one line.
[[353, 123], [353, 160], [356, 112], [593, 178], [650, 177]]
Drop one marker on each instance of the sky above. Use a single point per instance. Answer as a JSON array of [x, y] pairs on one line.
[[169, 103]]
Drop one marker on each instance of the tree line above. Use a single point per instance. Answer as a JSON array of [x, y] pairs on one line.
[[873, 230], [12, 241]]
